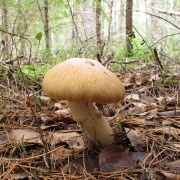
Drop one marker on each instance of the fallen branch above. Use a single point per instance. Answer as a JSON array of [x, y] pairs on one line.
[[169, 113], [171, 13], [120, 62]]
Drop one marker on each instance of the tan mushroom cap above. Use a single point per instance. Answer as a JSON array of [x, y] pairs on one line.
[[82, 80]]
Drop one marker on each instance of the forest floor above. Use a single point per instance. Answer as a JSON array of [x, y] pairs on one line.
[[40, 140]]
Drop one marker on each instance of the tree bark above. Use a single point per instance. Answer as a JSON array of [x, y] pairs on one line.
[[74, 16], [122, 22], [98, 27], [129, 32], [110, 20], [153, 21], [21, 28], [5, 39], [47, 27]]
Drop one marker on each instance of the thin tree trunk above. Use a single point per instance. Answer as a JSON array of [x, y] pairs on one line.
[[153, 20], [5, 39], [122, 22], [75, 31], [129, 32], [98, 27], [21, 28], [88, 18], [110, 20], [47, 27]]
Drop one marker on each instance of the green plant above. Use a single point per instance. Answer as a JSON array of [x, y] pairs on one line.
[[120, 53], [73, 50], [61, 54], [21, 144], [119, 123], [141, 51]]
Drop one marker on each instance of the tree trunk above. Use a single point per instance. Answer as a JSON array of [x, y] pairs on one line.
[[110, 20], [98, 28], [47, 27], [122, 22], [5, 39], [129, 32], [153, 20], [21, 28]]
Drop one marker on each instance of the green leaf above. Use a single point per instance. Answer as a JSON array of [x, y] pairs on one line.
[[39, 36], [175, 49], [31, 68]]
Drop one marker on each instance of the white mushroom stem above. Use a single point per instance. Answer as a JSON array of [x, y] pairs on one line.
[[93, 122]]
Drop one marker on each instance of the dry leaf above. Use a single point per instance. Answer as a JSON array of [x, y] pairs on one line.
[[152, 113], [163, 175], [44, 100], [170, 175], [176, 145], [175, 165], [141, 78], [154, 77], [141, 105], [59, 105], [115, 157], [25, 135], [131, 97], [20, 175], [56, 118], [32, 100], [74, 139], [140, 122], [75, 167], [167, 100], [166, 123], [148, 100], [136, 110], [64, 112], [167, 130], [56, 155], [143, 89], [136, 139]]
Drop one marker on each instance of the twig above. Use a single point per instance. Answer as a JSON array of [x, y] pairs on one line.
[[30, 158], [4, 175], [62, 172], [164, 38], [156, 157], [123, 62], [72, 16], [157, 58], [159, 18]]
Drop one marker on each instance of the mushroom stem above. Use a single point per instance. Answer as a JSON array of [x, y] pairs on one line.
[[93, 122]]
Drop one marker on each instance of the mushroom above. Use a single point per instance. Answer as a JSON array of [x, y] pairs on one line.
[[84, 82]]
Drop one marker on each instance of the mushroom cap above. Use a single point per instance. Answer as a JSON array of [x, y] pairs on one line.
[[82, 80]]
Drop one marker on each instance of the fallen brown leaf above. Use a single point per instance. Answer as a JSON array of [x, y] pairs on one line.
[[136, 139], [76, 167], [56, 155], [175, 165], [74, 139], [115, 157], [131, 97], [167, 130], [19, 175], [25, 135]]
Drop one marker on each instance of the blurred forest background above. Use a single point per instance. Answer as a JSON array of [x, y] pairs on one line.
[[50, 31]]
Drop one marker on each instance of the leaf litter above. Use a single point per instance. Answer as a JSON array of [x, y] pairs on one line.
[[40, 140]]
